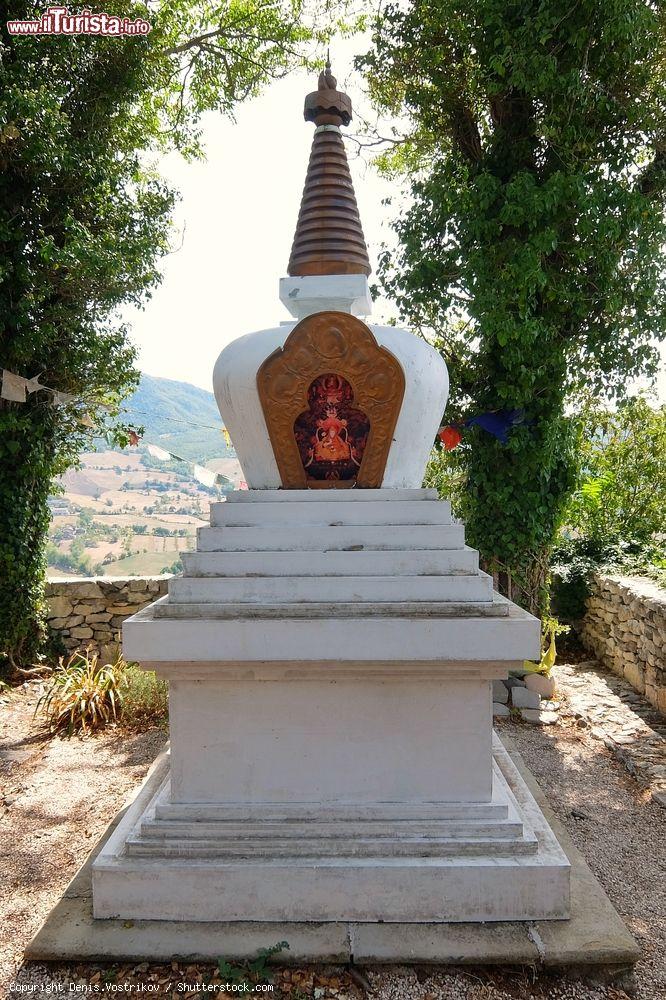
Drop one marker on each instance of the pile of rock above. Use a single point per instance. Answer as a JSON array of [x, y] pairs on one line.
[[529, 696]]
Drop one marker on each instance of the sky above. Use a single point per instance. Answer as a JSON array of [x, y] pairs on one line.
[[236, 221]]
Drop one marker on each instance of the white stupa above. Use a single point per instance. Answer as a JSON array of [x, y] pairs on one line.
[[331, 645]]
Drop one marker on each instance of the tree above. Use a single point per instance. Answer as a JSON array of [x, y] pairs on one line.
[[535, 148], [615, 520], [621, 498], [84, 220]]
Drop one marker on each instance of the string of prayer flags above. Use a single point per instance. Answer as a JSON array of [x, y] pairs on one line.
[[496, 422], [227, 437], [16, 389]]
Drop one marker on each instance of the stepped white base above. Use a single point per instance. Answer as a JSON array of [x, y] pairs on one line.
[[428, 862], [330, 661]]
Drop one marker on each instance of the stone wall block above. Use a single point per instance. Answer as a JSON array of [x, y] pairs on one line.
[[87, 588], [58, 623], [88, 609], [58, 606], [81, 632]]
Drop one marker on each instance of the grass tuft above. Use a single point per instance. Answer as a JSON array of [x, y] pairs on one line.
[[85, 695]]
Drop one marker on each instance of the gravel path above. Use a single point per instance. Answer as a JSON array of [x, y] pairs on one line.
[[56, 798], [59, 795]]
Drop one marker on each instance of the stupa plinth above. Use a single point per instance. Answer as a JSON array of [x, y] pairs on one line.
[[331, 645]]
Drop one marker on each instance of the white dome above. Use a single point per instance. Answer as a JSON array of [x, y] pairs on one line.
[[426, 392]]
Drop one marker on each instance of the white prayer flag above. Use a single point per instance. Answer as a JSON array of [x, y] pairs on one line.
[[33, 384], [86, 420], [13, 387], [63, 398], [160, 453], [204, 476]]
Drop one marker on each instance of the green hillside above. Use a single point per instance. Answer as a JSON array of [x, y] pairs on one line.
[[178, 416]]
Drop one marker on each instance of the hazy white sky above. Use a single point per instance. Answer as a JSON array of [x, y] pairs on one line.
[[239, 210]]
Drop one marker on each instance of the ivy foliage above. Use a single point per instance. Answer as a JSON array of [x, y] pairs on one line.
[[534, 148], [84, 221]]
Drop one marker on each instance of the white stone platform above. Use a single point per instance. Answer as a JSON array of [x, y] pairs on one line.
[[330, 658], [593, 940], [433, 862]]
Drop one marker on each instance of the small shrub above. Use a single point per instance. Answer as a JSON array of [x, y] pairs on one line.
[[83, 695], [145, 698]]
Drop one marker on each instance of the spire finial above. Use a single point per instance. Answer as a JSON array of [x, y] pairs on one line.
[[329, 237], [327, 105]]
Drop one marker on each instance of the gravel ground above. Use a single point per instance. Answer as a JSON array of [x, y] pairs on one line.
[[59, 795], [56, 797]]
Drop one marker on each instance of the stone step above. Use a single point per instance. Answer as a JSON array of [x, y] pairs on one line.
[[355, 847], [306, 589], [332, 830], [313, 538], [333, 512], [400, 562], [498, 608], [327, 496], [302, 812]]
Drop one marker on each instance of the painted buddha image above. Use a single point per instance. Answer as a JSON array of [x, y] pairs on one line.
[[331, 439], [331, 434]]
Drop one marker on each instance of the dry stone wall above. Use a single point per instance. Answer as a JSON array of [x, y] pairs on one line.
[[87, 611], [625, 627]]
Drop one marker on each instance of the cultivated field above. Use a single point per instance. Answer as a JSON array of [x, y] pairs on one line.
[[122, 514]]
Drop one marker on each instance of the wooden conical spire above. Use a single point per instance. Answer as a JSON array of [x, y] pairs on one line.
[[329, 236]]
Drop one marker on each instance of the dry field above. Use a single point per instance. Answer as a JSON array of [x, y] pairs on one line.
[[111, 487]]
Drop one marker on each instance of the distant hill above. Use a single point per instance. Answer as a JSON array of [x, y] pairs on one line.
[[178, 416]]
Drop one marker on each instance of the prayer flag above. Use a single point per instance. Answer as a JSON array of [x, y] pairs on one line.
[[13, 387], [159, 453], [63, 398], [34, 385], [205, 476], [450, 437]]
